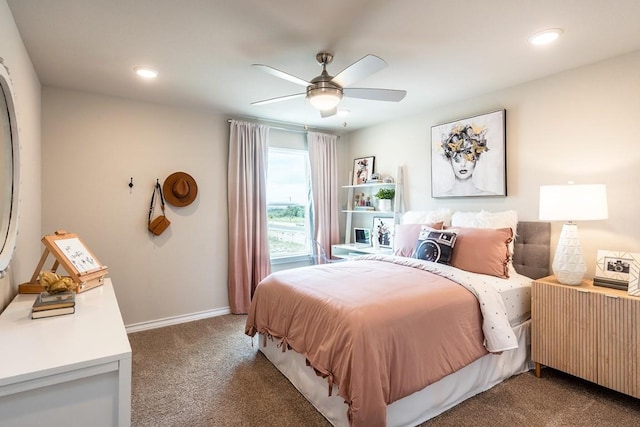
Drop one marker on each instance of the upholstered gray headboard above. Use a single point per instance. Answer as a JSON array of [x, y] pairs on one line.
[[531, 253]]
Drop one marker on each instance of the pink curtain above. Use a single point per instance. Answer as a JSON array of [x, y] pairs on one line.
[[249, 260], [323, 159]]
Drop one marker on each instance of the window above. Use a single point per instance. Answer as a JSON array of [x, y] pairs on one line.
[[288, 195]]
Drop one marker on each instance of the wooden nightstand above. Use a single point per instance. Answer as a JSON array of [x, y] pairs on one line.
[[587, 331]]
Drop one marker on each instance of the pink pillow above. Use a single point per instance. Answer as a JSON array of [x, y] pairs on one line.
[[482, 250], [406, 237]]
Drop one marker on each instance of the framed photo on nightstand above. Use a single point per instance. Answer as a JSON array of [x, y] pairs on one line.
[[617, 270]]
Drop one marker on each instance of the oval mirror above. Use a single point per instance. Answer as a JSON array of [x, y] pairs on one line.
[[9, 174]]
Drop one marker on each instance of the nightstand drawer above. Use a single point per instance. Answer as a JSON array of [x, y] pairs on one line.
[[563, 330]]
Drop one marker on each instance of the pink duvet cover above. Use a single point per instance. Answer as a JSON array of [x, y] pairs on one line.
[[378, 330]]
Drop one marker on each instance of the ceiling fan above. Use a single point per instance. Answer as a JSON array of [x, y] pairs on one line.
[[325, 92]]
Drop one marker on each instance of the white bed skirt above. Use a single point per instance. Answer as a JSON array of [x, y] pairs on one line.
[[412, 410]]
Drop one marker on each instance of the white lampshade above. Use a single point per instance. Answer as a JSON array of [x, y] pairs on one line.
[[568, 203], [573, 202], [324, 98]]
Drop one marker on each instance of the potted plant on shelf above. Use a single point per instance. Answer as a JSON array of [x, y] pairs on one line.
[[384, 196]]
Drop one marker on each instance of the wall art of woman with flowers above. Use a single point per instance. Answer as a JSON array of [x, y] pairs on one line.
[[468, 158]]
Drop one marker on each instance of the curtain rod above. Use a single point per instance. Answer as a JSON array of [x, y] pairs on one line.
[[280, 127]]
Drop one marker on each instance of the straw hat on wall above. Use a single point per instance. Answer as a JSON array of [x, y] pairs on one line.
[[180, 189]]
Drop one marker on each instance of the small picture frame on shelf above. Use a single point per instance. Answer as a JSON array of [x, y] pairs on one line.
[[614, 269], [383, 231], [362, 169]]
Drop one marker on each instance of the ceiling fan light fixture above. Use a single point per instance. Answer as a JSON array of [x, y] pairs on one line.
[[325, 92], [324, 98]]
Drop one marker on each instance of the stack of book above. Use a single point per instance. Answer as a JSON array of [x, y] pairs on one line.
[[364, 208], [48, 305], [611, 283]]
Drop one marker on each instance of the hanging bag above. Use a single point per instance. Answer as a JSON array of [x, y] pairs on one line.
[[161, 222]]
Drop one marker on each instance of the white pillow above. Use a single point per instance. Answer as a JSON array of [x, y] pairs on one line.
[[498, 220], [464, 219], [428, 217]]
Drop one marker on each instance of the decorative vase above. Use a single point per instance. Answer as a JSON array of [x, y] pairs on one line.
[[384, 205], [568, 263]]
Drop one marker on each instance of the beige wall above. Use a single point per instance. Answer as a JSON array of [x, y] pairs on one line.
[[27, 97], [578, 125], [92, 146]]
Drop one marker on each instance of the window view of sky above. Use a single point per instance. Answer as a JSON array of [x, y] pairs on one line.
[[287, 177]]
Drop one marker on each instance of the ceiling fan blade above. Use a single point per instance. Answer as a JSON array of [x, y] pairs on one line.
[[360, 69], [279, 98], [282, 75], [391, 95], [328, 113]]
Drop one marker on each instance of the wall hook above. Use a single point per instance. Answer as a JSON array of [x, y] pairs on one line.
[[131, 183]]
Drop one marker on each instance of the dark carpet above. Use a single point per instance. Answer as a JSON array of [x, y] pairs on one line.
[[208, 373]]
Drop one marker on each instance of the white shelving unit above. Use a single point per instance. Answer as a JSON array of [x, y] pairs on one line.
[[373, 188]]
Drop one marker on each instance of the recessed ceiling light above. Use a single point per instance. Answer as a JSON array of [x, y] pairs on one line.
[[545, 36], [146, 72]]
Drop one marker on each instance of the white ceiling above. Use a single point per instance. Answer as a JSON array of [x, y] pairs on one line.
[[439, 51]]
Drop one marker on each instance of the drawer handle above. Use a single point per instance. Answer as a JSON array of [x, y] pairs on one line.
[[582, 291], [611, 296]]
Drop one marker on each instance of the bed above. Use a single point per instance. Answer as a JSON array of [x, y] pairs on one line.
[[359, 342]]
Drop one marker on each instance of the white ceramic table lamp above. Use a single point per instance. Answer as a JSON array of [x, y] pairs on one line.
[[571, 203]]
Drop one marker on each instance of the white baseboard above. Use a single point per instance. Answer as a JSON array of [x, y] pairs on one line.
[[168, 321]]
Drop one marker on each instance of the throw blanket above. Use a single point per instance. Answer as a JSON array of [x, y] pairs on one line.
[[380, 329]]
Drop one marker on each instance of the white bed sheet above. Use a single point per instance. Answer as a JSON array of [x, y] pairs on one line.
[[427, 403], [516, 294], [514, 291]]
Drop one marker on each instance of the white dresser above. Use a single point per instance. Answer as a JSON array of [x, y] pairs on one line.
[[71, 370]]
